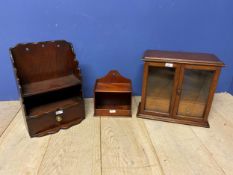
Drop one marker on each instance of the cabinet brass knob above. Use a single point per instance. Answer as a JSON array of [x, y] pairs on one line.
[[179, 91], [59, 118]]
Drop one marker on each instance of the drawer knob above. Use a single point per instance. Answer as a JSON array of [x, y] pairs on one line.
[[179, 91], [112, 111], [59, 118]]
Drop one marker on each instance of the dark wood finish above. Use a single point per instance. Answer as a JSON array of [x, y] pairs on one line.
[[113, 95], [50, 85], [179, 87], [182, 57]]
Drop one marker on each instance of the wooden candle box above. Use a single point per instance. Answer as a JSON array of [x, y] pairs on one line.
[[113, 95], [179, 87], [50, 86]]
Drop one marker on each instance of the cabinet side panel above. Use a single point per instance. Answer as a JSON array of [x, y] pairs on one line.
[[211, 93], [144, 85]]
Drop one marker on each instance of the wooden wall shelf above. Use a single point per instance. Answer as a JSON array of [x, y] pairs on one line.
[[113, 95], [50, 85], [41, 87], [179, 87]]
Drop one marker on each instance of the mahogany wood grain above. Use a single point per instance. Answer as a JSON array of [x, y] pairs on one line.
[[50, 84], [113, 95], [182, 57], [195, 81], [114, 87]]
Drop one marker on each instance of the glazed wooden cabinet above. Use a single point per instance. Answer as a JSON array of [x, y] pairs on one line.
[[50, 85], [179, 86]]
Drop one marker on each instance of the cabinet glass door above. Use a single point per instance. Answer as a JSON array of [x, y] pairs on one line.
[[194, 93], [159, 89]]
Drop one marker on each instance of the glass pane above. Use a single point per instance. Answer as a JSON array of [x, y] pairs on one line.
[[195, 91], [159, 89]]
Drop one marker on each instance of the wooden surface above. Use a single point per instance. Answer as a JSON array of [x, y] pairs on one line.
[[113, 82], [48, 79], [8, 111], [113, 90], [124, 146], [53, 106], [36, 62], [182, 57], [50, 85], [187, 85]]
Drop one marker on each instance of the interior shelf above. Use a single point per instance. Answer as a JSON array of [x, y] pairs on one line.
[[53, 106], [113, 87], [48, 78], [121, 101], [52, 101], [50, 85], [113, 95], [110, 106]]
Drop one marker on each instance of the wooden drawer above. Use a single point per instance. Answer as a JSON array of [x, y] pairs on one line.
[[54, 121], [112, 112]]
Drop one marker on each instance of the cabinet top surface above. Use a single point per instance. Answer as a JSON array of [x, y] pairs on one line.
[[182, 57]]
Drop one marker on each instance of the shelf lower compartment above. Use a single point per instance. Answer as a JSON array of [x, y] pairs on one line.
[[186, 121], [50, 85], [51, 122], [53, 106], [186, 107], [113, 110], [193, 109], [112, 104], [157, 104]]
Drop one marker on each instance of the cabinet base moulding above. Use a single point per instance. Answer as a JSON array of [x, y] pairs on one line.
[[58, 128], [107, 112], [140, 114]]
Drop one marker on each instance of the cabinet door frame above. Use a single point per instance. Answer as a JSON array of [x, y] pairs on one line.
[[144, 88], [210, 95]]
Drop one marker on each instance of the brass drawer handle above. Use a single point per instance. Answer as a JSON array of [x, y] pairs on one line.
[[59, 118], [179, 91]]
